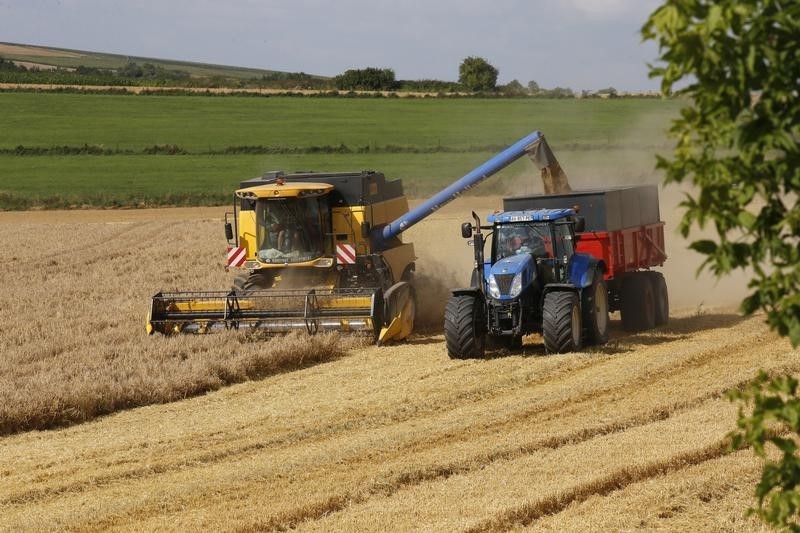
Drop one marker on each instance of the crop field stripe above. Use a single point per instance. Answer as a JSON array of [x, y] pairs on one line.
[[439, 472], [528, 513], [576, 404], [719, 485]]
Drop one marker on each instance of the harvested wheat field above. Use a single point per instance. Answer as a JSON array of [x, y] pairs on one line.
[[103, 427]]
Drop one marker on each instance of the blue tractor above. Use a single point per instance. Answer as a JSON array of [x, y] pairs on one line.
[[533, 280]]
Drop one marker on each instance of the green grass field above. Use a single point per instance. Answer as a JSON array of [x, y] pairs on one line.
[[426, 142]]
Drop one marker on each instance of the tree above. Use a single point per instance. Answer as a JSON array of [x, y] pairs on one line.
[[367, 79], [533, 87], [738, 139], [513, 88], [773, 420], [738, 143], [476, 74]]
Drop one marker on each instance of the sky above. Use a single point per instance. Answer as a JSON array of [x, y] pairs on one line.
[[581, 44]]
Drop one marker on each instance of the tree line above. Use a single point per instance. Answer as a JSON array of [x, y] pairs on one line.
[[476, 76]]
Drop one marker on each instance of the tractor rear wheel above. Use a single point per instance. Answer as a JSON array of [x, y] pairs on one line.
[[595, 310], [638, 306], [561, 322], [463, 326]]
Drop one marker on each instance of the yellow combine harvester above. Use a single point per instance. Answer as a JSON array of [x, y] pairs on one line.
[[322, 251], [304, 243]]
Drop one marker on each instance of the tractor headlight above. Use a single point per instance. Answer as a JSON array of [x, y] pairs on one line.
[[516, 285], [494, 290]]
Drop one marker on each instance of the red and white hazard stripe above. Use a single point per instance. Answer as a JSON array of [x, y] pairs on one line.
[[346, 254], [236, 256]]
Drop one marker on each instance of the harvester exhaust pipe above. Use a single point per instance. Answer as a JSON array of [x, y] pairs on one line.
[[534, 144]]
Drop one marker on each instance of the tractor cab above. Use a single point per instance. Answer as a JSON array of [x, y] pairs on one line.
[[529, 246]]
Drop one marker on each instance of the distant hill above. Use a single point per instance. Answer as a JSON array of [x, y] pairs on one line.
[[49, 58]]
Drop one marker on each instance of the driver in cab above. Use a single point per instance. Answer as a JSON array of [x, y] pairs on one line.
[[522, 242]]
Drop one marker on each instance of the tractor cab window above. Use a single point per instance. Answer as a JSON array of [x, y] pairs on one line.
[[290, 230], [565, 245], [513, 239]]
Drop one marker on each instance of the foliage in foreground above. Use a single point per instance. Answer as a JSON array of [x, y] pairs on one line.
[[775, 420], [738, 139]]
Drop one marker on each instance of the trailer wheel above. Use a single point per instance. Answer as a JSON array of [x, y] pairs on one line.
[[561, 322], [638, 306], [595, 307], [463, 326], [661, 297]]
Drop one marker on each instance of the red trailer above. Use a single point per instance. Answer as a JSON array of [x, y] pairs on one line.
[[624, 230]]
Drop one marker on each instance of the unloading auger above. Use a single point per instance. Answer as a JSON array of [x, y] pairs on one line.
[[322, 251]]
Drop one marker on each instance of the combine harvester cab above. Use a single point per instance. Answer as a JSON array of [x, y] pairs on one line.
[[323, 251]]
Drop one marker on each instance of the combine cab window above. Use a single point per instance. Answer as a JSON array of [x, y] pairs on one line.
[[291, 230], [512, 239]]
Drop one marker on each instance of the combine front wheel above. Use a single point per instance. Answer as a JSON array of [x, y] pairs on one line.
[[244, 283]]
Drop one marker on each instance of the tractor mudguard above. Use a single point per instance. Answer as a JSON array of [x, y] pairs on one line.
[[581, 269], [558, 287]]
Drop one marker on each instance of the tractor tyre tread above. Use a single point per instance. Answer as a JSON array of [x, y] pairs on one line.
[[596, 333], [661, 297], [638, 303], [557, 321], [462, 327]]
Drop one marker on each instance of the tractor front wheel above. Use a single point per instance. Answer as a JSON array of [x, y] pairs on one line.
[[561, 322], [464, 330]]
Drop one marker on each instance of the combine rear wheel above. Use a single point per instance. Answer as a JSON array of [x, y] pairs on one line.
[[463, 326], [561, 322], [638, 306]]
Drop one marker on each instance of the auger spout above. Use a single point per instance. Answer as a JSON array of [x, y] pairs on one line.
[[533, 144]]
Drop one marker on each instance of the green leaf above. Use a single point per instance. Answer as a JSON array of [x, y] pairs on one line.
[[705, 247], [747, 219]]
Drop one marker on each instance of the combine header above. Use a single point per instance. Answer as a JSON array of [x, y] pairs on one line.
[[322, 251]]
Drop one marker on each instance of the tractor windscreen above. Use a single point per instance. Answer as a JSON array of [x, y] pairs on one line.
[[291, 230], [512, 239]]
